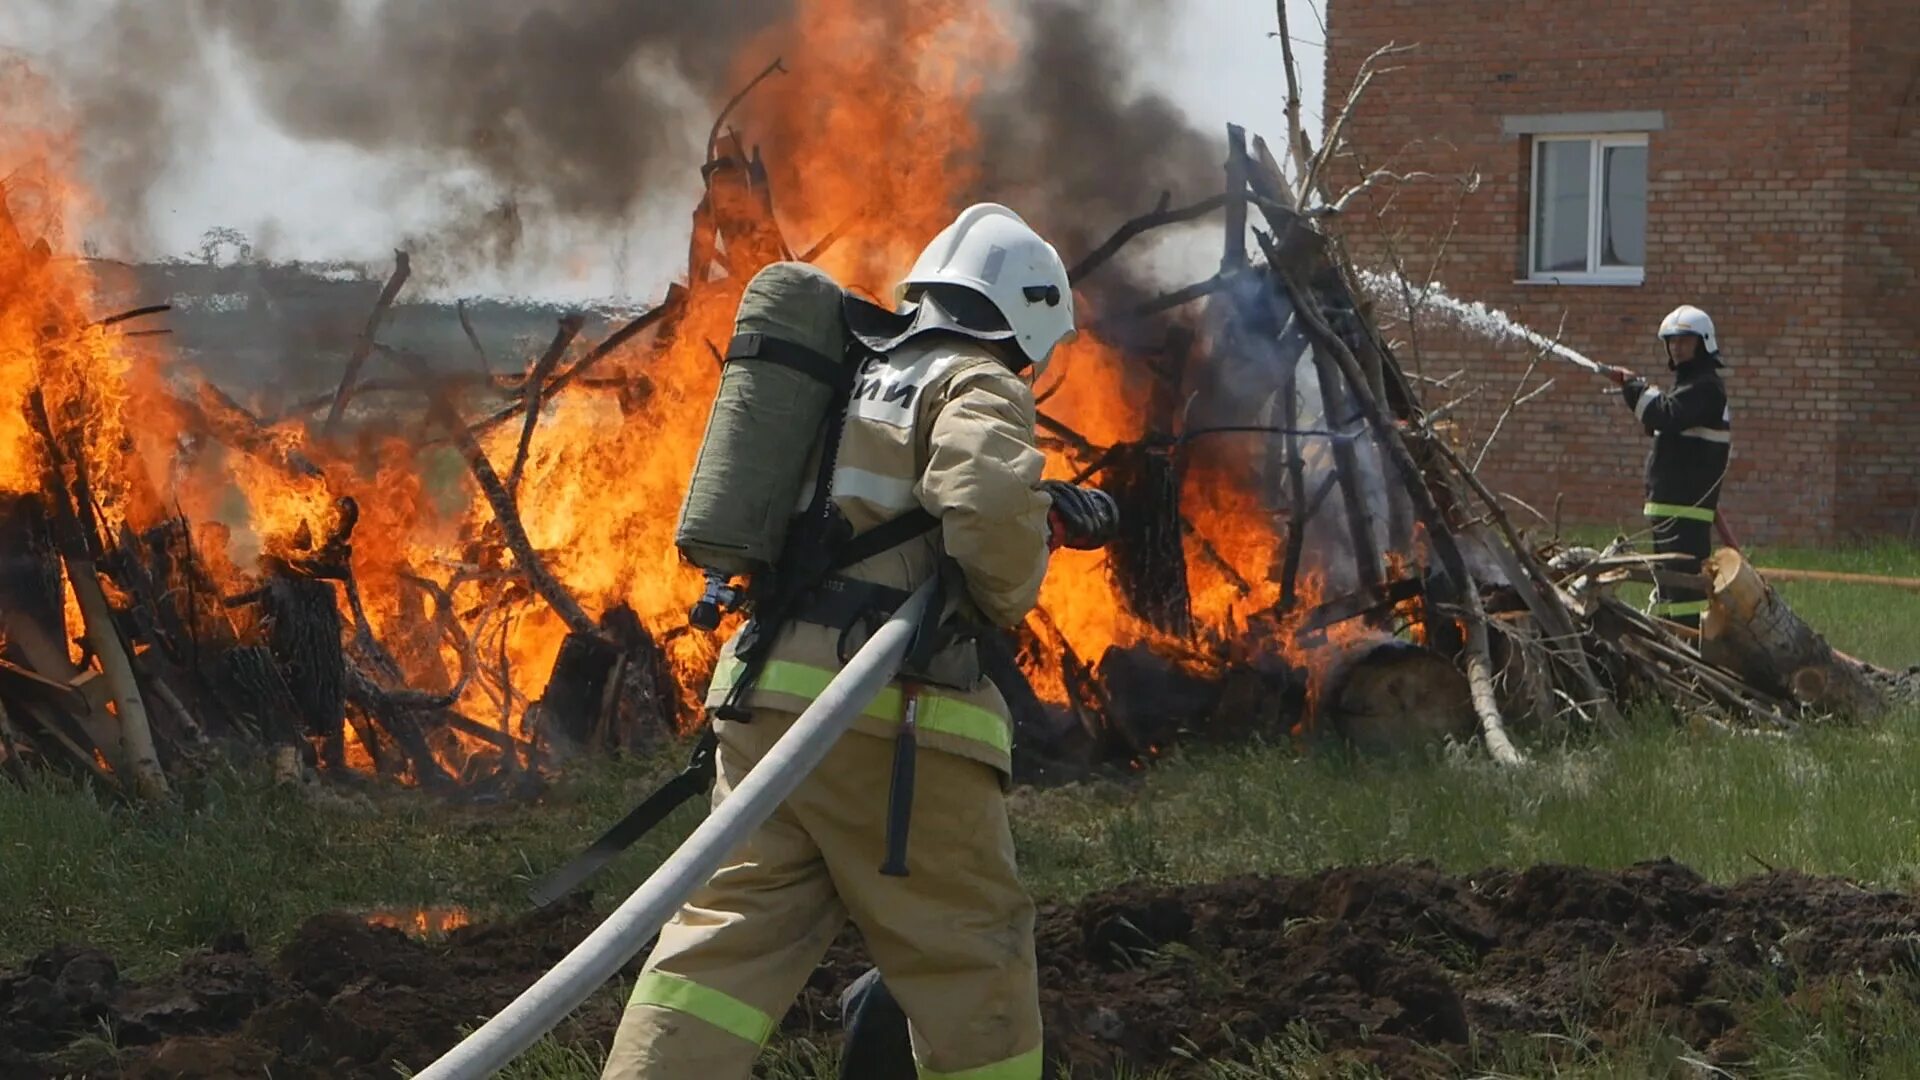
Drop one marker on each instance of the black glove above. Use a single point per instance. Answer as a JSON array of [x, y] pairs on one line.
[[1082, 517]]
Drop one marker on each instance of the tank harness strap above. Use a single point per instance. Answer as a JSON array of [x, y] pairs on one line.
[[885, 536], [773, 350]]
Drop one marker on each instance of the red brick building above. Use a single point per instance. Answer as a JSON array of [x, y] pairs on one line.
[[1758, 158]]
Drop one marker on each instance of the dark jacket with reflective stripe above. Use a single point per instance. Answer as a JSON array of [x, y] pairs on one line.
[[1692, 426]]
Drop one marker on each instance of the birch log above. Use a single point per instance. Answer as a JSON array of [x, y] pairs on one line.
[[1750, 629]]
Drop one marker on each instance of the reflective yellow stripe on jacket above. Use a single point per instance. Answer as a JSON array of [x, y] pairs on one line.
[[1677, 510], [938, 712]]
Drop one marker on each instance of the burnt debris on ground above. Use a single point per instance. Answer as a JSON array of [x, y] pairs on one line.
[[1402, 966]]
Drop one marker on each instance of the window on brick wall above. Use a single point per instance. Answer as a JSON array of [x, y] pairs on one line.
[[1589, 220]]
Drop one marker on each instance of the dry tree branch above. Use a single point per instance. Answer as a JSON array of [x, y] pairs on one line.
[[713, 134], [1522, 504], [1165, 302], [1310, 182], [506, 514], [1518, 398], [363, 345], [1434, 416], [1160, 216], [1080, 443], [1469, 184], [1486, 703], [399, 385], [833, 237], [536, 382], [473, 338], [136, 313], [676, 295], [1297, 148], [1339, 205]]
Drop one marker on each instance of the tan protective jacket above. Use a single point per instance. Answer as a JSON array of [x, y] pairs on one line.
[[943, 425]]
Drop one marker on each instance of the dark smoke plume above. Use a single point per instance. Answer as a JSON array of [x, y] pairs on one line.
[[579, 107], [570, 99], [1070, 147]]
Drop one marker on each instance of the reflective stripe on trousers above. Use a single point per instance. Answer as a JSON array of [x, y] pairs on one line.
[[1678, 510], [724, 1011], [1024, 1067], [938, 712]]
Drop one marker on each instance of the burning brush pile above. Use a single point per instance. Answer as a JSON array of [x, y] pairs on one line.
[[1302, 555]]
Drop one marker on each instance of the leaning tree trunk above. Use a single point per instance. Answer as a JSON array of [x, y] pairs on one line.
[[1750, 629]]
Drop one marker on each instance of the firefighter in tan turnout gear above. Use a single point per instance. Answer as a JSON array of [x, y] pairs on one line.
[[939, 425]]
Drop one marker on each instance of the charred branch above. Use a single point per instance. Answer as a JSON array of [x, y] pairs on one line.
[[473, 338], [720, 121], [530, 403], [1234, 253], [507, 515], [136, 313], [228, 421], [675, 299], [1160, 217], [363, 346]]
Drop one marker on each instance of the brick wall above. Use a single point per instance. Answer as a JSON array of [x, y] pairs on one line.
[[1761, 187], [1879, 452]]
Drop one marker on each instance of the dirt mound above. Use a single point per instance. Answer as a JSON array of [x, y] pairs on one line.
[[1400, 966], [343, 999]]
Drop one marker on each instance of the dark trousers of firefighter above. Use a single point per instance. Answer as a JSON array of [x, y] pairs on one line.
[[1685, 537]]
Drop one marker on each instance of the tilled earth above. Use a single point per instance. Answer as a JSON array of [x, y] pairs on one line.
[[1398, 966]]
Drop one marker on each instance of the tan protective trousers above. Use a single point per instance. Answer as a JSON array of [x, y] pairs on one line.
[[953, 939]]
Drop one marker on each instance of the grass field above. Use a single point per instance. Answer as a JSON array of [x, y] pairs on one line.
[[237, 852]]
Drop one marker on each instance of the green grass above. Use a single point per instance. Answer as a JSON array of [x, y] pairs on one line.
[[233, 851], [1838, 801]]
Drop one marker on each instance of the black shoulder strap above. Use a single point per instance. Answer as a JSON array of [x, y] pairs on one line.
[[885, 536], [773, 350], [696, 778]]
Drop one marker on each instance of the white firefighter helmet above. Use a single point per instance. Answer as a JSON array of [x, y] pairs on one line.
[[1687, 319], [989, 250]]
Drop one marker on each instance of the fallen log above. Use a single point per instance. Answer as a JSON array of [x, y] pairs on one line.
[[1751, 630], [1388, 696], [1151, 697]]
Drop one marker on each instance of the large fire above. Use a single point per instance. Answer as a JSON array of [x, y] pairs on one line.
[[876, 145]]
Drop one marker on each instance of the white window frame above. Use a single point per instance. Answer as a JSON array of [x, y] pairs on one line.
[[1596, 205]]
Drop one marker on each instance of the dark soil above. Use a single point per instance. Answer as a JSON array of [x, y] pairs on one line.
[[1398, 966]]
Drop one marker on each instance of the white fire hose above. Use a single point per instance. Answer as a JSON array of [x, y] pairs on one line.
[[595, 960]]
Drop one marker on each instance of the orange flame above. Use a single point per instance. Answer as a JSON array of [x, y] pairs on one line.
[[872, 140], [422, 921]]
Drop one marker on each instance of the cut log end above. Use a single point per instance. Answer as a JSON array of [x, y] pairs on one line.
[[1395, 697], [1751, 630]]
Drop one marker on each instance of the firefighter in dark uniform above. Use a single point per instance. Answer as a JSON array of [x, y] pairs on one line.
[[1691, 425]]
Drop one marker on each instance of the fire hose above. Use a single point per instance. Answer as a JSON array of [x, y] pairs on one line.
[[635, 922]]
